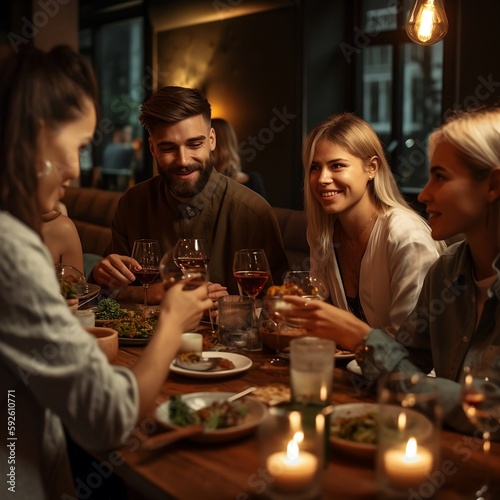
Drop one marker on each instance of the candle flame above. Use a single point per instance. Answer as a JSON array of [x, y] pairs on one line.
[[295, 421], [411, 448], [292, 451], [298, 437], [402, 421]]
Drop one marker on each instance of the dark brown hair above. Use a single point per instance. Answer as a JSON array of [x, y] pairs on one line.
[[173, 104], [36, 86]]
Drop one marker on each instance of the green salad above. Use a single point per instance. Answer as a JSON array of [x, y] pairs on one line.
[[109, 309], [218, 415], [360, 429]]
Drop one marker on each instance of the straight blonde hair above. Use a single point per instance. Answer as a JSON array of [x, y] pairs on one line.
[[359, 138]]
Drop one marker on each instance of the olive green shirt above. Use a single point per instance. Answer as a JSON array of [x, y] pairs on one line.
[[442, 332]]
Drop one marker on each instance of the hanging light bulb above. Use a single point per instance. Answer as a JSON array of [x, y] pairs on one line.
[[427, 22]]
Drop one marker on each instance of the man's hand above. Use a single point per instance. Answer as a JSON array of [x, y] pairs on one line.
[[114, 271]]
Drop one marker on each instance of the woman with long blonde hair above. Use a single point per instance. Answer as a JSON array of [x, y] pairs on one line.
[[368, 246], [456, 319]]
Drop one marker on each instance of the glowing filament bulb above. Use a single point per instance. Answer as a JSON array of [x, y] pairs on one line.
[[427, 23]]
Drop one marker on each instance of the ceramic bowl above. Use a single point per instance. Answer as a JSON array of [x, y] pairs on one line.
[[107, 339]]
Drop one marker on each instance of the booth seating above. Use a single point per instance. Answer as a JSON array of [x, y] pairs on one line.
[[92, 210]]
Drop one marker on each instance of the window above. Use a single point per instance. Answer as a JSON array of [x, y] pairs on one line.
[[116, 49], [401, 94]]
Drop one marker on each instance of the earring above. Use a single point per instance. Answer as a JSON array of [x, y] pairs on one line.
[[48, 169]]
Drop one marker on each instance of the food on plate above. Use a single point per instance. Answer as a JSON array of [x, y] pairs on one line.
[[134, 326], [218, 415], [359, 428], [286, 289], [68, 287], [272, 394], [192, 357], [109, 309]]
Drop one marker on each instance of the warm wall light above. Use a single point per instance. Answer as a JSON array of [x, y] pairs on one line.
[[427, 22]]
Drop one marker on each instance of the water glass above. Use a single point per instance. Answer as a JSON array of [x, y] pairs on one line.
[[237, 326], [311, 369]]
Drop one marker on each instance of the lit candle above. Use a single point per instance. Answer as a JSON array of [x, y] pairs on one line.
[[292, 470], [408, 466]]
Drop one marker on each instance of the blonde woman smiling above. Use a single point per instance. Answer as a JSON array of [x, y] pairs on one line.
[[367, 245]]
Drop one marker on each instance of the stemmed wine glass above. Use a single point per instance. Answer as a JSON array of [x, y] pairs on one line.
[[481, 402], [308, 285], [251, 271], [147, 254], [300, 283], [192, 254]]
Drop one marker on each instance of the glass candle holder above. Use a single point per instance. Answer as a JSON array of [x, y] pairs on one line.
[[409, 423], [292, 447]]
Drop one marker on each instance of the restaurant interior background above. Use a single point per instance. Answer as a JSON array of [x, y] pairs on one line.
[[276, 68]]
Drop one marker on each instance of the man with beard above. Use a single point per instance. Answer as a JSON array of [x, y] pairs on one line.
[[188, 199]]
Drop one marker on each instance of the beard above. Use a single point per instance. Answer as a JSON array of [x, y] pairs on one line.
[[186, 189]]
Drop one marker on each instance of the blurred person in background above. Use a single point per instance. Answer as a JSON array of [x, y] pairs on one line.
[[228, 160]]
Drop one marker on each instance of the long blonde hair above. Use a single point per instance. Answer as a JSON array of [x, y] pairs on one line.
[[359, 138]]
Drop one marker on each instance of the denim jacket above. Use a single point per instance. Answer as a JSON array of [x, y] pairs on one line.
[[441, 331]]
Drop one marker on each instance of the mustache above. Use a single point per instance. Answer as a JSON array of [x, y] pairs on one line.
[[185, 169]]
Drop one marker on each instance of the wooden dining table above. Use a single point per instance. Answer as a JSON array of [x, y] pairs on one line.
[[231, 470]]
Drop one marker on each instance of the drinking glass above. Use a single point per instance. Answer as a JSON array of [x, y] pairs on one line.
[[481, 402], [147, 254], [308, 285], [251, 271], [305, 285], [190, 254]]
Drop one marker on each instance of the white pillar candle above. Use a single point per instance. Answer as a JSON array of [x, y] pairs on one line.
[[292, 470], [408, 466]]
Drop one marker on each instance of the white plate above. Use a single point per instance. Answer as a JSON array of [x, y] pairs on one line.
[[241, 364], [353, 367], [344, 355], [257, 412], [362, 450]]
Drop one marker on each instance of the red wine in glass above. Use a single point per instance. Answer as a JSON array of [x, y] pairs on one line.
[[147, 253], [251, 282], [146, 276]]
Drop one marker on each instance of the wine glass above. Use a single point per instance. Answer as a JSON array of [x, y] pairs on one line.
[[171, 274], [251, 271], [308, 285], [192, 254], [480, 398], [302, 284], [147, 254]]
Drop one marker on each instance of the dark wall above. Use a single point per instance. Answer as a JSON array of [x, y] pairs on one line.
[[249, 68], [472, 65]]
